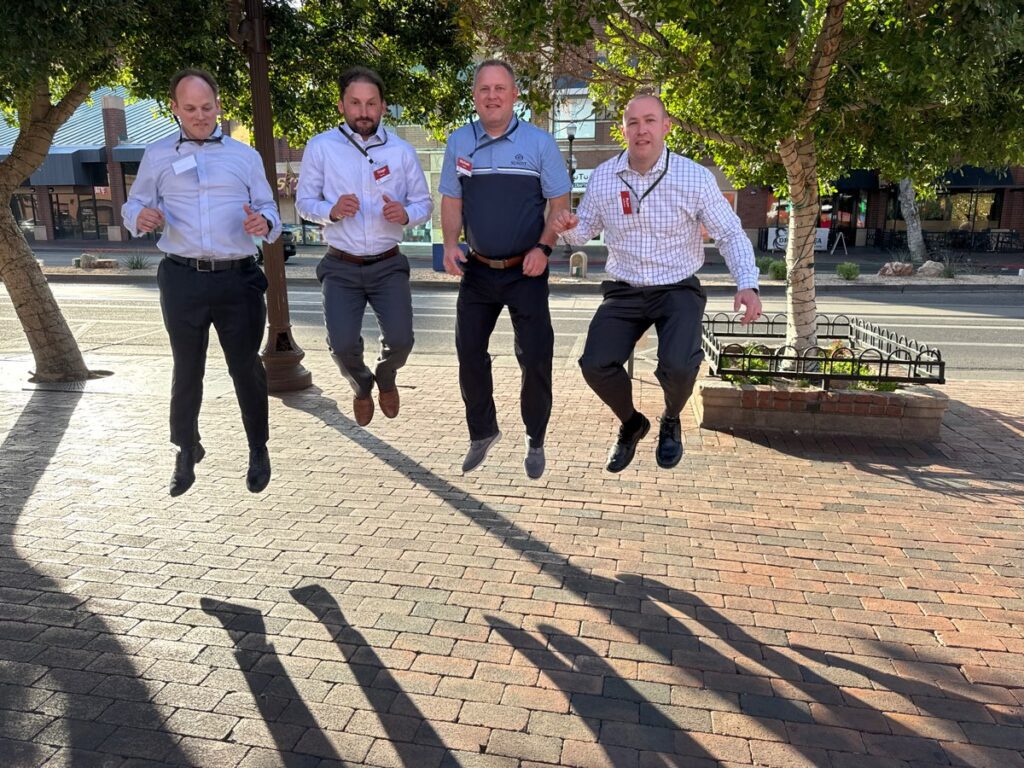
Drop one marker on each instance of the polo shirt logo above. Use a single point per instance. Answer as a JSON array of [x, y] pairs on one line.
[[519, 160]]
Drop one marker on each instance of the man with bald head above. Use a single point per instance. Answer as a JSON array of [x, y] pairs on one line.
[[209, 196], [651, 204]]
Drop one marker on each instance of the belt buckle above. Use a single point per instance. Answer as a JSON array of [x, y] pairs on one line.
[[200, 262]]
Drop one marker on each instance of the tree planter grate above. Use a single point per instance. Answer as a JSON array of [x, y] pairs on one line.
[[872, 354]]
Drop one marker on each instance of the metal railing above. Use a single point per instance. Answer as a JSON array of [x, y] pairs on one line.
[[870, 353]]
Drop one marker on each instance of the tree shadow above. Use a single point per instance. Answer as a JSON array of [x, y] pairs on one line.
[[289, 719], [634, 604], [413, 738], [54, 701], [978, 457]]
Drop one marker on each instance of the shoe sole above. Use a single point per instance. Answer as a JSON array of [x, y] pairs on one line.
[[487, 450], [632, 454]]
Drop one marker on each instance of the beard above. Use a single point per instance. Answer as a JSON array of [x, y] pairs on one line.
[[365, 127]]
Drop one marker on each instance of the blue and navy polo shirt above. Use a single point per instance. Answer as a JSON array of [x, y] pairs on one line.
[[504, 185]]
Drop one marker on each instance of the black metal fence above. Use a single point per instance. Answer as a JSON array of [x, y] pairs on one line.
[[869, 353], [985, 241]]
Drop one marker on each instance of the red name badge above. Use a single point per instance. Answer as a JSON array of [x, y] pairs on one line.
[[627, 203], [381, 174], [463, 167]]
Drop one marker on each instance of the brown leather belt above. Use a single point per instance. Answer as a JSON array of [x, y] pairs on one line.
[[511, 261], [211, 265], [362, 261]]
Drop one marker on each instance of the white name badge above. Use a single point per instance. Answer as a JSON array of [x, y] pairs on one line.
[[185, 164]]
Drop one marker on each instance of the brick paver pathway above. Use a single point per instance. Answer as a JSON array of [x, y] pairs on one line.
[[776, 601]]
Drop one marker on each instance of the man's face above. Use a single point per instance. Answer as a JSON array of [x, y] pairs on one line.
[[494, 95], [645, 126], [362, 108], [196, 106]]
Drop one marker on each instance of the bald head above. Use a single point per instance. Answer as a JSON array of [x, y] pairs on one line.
[[645, 124]]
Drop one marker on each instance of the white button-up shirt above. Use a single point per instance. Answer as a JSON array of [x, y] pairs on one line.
[[652, 222], [202, 190], [332, 166]]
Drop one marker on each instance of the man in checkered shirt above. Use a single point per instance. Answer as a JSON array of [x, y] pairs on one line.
[[651, 204]]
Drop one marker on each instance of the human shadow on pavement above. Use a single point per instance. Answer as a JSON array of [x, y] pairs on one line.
[[300, 741], [55, 704], [416, 743], [635, 604]]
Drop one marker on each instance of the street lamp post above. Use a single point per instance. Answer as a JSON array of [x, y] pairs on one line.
[[570, 135], [281, 355]]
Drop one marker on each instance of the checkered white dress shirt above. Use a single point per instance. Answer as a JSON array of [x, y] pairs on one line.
[[659, 241]]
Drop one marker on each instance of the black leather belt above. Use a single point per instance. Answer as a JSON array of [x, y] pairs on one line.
[[362, 261], [511, 261], [211, 265]]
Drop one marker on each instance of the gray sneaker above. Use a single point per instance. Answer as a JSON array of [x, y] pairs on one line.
[[534, 461], [478, 450]]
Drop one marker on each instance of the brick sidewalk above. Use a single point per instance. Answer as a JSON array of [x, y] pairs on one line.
[[774, 600]]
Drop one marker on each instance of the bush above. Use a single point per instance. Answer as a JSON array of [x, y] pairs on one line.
[[135, 261], [763, 262], [777, 269], [848, 270]]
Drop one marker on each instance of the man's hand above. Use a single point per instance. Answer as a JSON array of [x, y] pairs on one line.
[[453, 257], [347, 205], [255, 224], [149, 219], [535, 263], [563, 221], [394, 211], [751, 302]]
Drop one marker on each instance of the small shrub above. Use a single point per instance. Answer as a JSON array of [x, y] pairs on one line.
[[848, 270], [777, 269], [763, 262], [752, 364], [135, 261]]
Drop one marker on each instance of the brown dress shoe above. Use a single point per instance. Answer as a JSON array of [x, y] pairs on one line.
[[362, 407], [388, 402]]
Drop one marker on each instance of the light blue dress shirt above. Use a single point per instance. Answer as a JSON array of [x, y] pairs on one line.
[[202, 190], [332, 166]]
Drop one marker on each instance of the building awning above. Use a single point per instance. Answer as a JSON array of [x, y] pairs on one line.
[[129, 153], [970, 177], [69, 166], [857, 180]]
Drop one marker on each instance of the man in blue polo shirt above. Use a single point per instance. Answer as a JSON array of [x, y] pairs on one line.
[[499, 176]]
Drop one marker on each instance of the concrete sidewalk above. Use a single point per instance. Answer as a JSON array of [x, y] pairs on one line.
[[774, 600]]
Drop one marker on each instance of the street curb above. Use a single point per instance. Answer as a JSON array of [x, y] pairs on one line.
[[592, 287]]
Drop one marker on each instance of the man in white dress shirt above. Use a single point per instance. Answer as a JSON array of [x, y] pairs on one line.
[[651, 204], [365, 185], [210, 195]]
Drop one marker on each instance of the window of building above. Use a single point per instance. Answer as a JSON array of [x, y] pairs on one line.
[[573, 106]]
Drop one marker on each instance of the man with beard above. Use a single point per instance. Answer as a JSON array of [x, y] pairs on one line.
[[365, 185], [210, 195], [500, 174]]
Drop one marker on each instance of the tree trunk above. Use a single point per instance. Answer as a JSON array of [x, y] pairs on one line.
[[55, 350], [800, 160], [915, 240]]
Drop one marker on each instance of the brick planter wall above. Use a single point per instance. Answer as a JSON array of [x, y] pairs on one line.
[[910, 413]]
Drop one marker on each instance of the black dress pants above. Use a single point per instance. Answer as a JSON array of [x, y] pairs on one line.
[[625, 314], [482, 295], [232, 301]]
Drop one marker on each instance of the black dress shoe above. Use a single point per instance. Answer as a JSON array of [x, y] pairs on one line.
[[185, 468], [622, 452], [670, 443], [258, 476]]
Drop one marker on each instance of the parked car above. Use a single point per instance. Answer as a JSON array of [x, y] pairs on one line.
[[287, 240]]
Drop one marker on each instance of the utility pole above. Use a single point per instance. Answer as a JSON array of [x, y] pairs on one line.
[[281, 355]]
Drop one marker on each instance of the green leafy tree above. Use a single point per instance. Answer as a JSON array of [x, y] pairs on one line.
[[793, 94], [53, 54]]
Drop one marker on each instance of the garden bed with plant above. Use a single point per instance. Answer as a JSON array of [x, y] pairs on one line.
[[859, 380]]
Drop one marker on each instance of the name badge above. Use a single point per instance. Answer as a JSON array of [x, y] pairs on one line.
[[627, 202], [185, 164], [463, 167], [382, 174]]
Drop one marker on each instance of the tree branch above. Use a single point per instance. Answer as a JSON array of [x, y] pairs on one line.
[[736, 141], [826, 48]]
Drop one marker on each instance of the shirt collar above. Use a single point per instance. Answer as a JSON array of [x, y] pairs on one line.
[[622, 164], [217, 137], [380, 135], [483, 137]]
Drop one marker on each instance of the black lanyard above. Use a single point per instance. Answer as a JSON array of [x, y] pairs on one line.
[[490, 139], [359, 147], [657, 181]]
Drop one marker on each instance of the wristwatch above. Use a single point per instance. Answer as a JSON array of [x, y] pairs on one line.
[[545, 248]]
